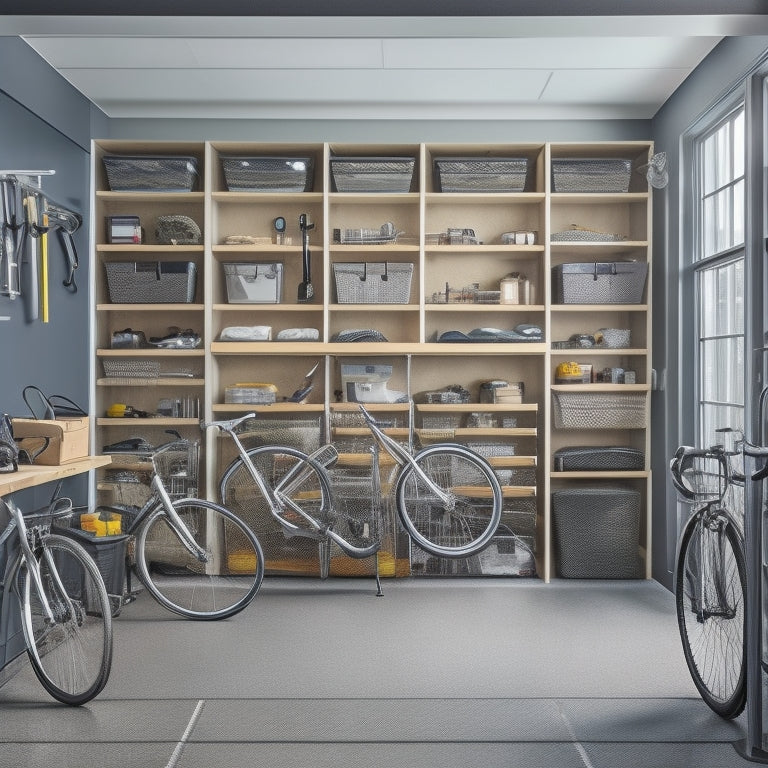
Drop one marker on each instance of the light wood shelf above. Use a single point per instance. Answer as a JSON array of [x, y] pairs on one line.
[[419, 363]]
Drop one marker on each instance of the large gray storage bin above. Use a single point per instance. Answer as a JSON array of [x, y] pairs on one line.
[[151, 282], [588, 174], [142, 173], [618, 282], [597, 532]]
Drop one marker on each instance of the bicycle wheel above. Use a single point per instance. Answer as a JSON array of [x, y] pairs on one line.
[[467, 523], [710, 593], [215, 589], [72, 656], [302, 484]]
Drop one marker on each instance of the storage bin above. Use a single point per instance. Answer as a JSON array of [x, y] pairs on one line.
[[254, 283], [151, 282], [597, 533], [108, 552], [166, 173], [599, 410], [480, 174], [590, 458], [268, 174], [618, 282], [53, 442], [373, 282], [578, 174], [372, 174]]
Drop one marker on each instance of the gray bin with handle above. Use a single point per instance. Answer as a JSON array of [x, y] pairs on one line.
[[618, 282], [597, 532], [151, 282]]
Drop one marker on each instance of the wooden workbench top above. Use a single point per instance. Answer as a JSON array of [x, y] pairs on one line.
[[30, 476]]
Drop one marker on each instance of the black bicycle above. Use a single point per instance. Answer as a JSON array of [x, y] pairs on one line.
[[710, 575]]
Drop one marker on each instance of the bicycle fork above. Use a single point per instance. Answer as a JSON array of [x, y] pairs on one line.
[[712, 602], [178, 524], [28, 557]]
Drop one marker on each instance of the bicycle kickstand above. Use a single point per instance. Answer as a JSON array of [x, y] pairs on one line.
[[379, 592]]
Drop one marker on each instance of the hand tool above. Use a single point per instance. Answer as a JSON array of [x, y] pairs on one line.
[[306, 291]]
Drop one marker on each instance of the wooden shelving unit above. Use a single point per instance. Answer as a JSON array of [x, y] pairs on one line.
[[420, 362]]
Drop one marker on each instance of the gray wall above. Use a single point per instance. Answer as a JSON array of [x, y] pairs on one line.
[[725, 67], [46, 124]]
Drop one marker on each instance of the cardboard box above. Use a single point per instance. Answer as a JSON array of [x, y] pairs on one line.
[[67, 439]]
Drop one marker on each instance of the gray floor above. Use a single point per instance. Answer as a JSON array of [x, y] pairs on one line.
[[436, 674]]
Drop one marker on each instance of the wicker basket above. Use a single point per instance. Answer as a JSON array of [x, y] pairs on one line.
[[373, 282], [599, 410]]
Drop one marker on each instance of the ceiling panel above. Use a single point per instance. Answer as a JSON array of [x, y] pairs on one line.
[[612, 86], [547, 52], [387, 67]]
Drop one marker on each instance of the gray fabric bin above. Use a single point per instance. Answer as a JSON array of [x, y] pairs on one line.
[[618, 282], [597, 532]]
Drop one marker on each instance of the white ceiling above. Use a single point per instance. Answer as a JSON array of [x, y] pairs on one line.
[[568, 67]]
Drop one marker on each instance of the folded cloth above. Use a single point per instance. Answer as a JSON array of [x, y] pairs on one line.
[[298, 334], [246, 333], [359, 334]]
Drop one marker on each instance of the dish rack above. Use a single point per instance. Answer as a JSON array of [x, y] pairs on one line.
[[385, 234]]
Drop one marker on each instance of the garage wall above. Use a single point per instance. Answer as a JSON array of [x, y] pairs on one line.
[[46, 124], [719, 73]]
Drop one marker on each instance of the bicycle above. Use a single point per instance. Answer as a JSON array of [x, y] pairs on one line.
[[65, 609], [195, 558], [448, 498], [710, 577]]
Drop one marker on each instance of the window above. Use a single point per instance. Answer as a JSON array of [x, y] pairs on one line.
[[719, 272]]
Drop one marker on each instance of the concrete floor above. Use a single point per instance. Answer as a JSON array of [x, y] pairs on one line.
[[442, 673]]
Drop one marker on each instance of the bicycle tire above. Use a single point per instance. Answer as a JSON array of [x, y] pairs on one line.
[[72, 658], [311, 493], [218, 589], [468, 527], [714, 645]]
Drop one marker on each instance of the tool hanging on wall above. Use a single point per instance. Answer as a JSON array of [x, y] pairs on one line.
[[28, 216]]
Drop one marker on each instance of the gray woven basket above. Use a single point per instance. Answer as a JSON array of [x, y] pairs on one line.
[[597, 533], [599, 410], [151, 282], [373, 283]]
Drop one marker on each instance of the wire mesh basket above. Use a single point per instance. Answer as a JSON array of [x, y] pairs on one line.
[[705, 475], [373, 282], [176, 464], [599, 410]]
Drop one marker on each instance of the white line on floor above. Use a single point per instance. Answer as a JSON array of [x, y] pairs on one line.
[[185, 736]]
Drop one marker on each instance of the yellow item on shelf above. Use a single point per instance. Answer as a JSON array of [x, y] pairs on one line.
[[568, 373]]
